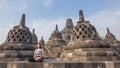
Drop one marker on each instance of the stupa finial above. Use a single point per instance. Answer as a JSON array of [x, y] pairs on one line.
[[108, 31], [81, 16], [56, 28], [22, 21]]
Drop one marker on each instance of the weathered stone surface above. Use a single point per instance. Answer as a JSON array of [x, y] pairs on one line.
[[112, 41], [42, 42], [55, 44], [66, 32], [19, 43], [24, 64], [110, 38], [55, 39], [34, 38], [83, 37]]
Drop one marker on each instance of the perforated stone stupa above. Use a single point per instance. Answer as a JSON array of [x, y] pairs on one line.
[[56, 38], [42, 42], [85, 44], [110, 38], [34, 38], [18, 44], [55, 43], [66, 32], [112, 41]]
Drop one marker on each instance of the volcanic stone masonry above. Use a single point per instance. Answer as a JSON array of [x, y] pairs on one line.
[[34, 38], [66, 32], [19, 43], [55, 44], [112, 41], [42, 42], [85, 45]]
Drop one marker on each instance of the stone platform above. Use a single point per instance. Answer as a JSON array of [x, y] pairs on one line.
[[60, 64]]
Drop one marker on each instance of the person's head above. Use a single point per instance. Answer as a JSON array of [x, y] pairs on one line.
[[38, 45]]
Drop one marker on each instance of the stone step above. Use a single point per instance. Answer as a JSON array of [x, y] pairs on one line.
[[13, 59], [14, 51], [95, 53], [96, 58], [95, 64], [97, 49]]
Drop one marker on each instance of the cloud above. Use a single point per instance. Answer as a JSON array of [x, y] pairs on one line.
[[23, 5], [3, 3], [47, 3], [107, 18], [45, 27]]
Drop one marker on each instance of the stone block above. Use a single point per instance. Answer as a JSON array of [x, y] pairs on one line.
[[109, 65], [101, 65], [94, 65], [87, 65], [3, 65], [116, 65]]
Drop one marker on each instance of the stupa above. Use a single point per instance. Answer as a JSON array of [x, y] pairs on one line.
[[18, 45], [34, 38], [42, 42], [55, 44], [66, 32], [110, 38], [85, 44], [112, 41]]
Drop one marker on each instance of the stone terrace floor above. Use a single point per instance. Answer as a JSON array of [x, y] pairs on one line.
[[50, 63]]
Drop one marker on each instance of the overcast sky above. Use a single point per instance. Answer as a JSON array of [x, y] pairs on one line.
[[43, 15]]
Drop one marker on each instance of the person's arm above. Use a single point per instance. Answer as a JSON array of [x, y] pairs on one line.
[[34, 56]]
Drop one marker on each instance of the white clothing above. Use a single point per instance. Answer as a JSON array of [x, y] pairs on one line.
[[38, 52]]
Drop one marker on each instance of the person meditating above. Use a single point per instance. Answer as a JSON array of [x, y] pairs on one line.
[[38, 54]]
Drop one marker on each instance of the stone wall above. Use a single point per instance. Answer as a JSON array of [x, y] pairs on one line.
[[26, 64]]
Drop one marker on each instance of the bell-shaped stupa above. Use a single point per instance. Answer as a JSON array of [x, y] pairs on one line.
[[85, 44], [19, 44], [66, 32]]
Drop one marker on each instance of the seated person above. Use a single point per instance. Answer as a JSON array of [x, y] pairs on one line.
[[38, 54]]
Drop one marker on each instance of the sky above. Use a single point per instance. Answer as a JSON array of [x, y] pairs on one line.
[[43, 15]]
